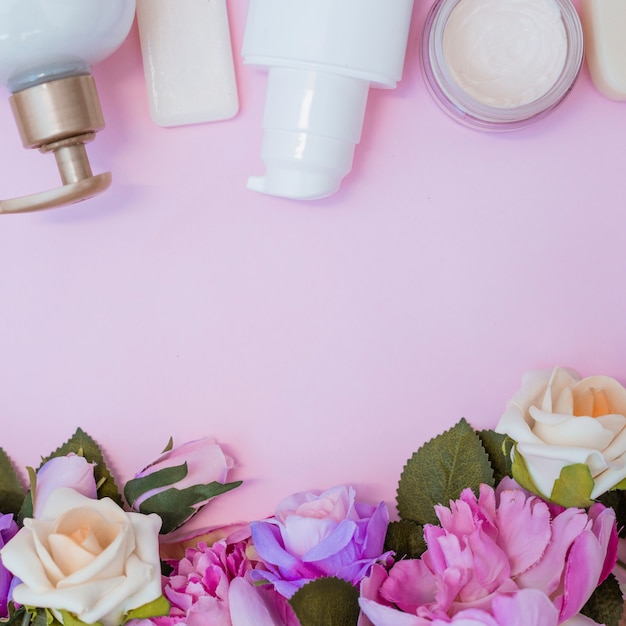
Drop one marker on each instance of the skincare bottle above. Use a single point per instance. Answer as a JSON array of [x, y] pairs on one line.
[[322, 56], [188, 61], [47, 49], [604, 24]]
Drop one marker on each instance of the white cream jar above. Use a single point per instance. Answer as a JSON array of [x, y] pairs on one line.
[[501, 64]]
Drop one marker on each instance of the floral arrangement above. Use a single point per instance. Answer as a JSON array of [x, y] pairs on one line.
[[516, 526]]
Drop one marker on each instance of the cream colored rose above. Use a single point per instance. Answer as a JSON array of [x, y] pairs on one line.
[[557, 419], [88, 557]]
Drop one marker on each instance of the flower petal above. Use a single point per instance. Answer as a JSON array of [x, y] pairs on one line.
[[527, 606], [381, 615], [247, 606], [524, 529]]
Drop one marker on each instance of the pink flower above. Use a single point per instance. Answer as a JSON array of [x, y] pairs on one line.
[[180, 483], [211, 585], [316, 535], [505, 549], [206, 462], [71, 471]]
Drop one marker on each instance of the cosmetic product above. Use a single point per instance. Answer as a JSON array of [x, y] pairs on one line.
[[188, 61], [604, 24], [47, 49], [321, 56], [501, 64]]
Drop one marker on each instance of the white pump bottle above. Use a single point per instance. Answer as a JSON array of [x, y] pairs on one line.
[[322, 56], [47, 49]]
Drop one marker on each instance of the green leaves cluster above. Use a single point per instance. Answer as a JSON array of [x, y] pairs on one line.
[[34, 616]]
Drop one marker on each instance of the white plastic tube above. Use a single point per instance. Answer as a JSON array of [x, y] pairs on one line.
[[188, 61], [322, 56]]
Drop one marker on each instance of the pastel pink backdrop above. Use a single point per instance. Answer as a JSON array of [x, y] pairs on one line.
[[320, 342]]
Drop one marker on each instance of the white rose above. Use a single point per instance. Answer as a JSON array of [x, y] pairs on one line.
[[557, 419], [88, 557]]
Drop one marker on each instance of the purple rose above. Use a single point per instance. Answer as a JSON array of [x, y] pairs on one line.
[[8, 529], [316, 535], [71, 471]]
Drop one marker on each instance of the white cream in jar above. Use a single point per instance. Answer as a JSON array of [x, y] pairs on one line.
[[505, 53]]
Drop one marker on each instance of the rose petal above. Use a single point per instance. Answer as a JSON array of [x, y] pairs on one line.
[[330, 546], [71, 471], [577, 432], [614, 392]]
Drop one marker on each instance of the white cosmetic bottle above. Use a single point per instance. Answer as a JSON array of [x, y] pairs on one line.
[[604, 25], [47, 49], [188, 61], [321, 56]]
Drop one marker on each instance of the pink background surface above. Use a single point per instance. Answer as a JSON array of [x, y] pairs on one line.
[[320, 342]]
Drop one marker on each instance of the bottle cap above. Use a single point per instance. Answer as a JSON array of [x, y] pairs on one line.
[[60, 116]]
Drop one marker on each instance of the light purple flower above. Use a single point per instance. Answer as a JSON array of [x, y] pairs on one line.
[[488, 554], [316, 535], [71, 471], [8, 529]]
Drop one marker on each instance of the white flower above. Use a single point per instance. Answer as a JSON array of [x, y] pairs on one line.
[[557, 419], [88, 557]]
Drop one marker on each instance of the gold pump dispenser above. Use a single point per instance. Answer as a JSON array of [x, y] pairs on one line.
[[60, 116]]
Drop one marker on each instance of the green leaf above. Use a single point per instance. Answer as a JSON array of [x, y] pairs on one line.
[[176, 506], [521, 473], [573, 486], [406, 539], [16, 618], [498, 448], [156, 608], [81, 443], [156, 480], [440, 470], [42, 618], [326, 602], [606, 604], [12, 493], [72, 620]]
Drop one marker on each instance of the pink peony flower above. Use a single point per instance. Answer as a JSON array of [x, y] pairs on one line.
[[313, 536], [211, 585], [493, 553]]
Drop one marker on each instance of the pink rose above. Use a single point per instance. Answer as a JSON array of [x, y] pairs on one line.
[[491, 552], [180, 482], [71, 471], [316, 535]]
